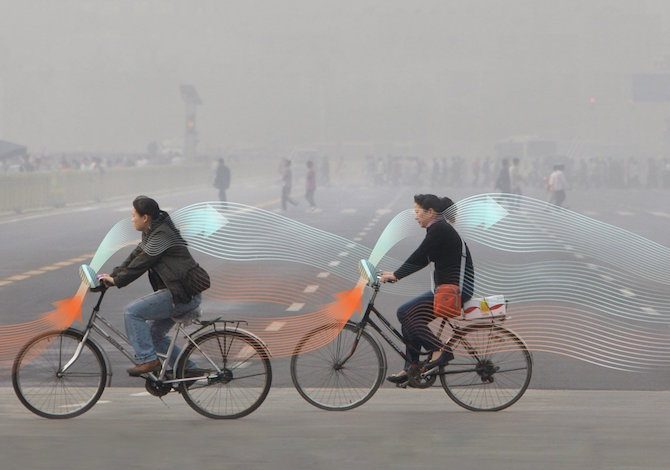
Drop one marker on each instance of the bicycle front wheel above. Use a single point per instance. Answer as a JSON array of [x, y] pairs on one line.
[[491, 370], [45, 389], [230, 374], [342, 374]]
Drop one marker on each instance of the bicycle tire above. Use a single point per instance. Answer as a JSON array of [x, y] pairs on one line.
[[510, 356], [36, 365], [331, 393], [215, 395]]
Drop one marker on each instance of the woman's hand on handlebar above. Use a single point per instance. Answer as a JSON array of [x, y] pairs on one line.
[[106, 279], [388, 276]]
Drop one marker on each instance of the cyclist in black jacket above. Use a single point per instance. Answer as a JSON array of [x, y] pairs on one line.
[[442, 246], [172, 271]]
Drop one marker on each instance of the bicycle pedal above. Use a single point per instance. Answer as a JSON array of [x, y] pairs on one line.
[[402, 384]]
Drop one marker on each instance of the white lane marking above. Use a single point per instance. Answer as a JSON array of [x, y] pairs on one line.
[[591, 266], [81, 258], [334, 263], [357, 239], [351, 245], [383, 211], [627, 292], [311, 288], [649, 310], [245, 353], [18, 277], [363, 233], [606, 277], [660, 214], [295, 307], [121, 209], [140, 394], [49, 268], [370, 225], [569, 247], [82, 404], [323, 275], [34, 272], [348, 211], [4, 283], [625, 213], [64, 263], [578, 255], [275, 326], [342, 254]]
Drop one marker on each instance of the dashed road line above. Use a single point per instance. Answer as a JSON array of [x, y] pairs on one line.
[[311, 289], [17, 277], [294, 307], [323, 275], [649, 310], [64, 263], [140, 394], [660, 214], [275, 326], [627, 292], [348, 211], [334, 263], [4, 283], [34, 272], [49, 268], [625, 213], [351, 245], [342, 254], [358, 239]]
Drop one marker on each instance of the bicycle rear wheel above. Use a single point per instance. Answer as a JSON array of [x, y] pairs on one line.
[[324, 381], [42, 386], [238, 388], [491, 371]]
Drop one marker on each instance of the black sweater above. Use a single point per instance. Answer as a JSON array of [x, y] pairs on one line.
[[442, 246]]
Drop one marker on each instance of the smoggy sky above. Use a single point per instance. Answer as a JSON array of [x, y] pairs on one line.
[[451, 75]]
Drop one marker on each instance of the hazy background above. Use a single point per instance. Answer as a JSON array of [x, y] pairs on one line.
[[437, 76]]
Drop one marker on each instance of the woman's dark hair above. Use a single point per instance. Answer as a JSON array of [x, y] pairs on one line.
[[438, 204], [144, 205]]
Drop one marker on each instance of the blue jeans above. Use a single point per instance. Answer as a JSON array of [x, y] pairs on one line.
[[148, 320]]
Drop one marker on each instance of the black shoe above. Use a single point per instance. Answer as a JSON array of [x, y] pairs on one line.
[[441, 361], [399, 378]]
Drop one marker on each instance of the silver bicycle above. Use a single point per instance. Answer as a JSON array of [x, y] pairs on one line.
[[223, 372]]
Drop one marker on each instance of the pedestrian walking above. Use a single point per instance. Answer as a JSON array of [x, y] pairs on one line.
[[222, 179], [287, 183], [310, 185]]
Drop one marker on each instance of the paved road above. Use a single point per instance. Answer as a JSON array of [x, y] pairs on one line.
[[55, 239], [401, 429]]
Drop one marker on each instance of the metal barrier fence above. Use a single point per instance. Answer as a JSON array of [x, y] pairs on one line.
[[24, 191]]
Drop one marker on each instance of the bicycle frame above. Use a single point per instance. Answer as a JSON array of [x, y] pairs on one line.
[[91, 325], [458, 333]]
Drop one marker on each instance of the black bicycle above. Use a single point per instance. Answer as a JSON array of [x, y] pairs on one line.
[[491, 370], [223, 372]]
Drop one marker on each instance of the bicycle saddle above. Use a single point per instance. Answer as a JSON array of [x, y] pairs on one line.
[[187, 318]]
